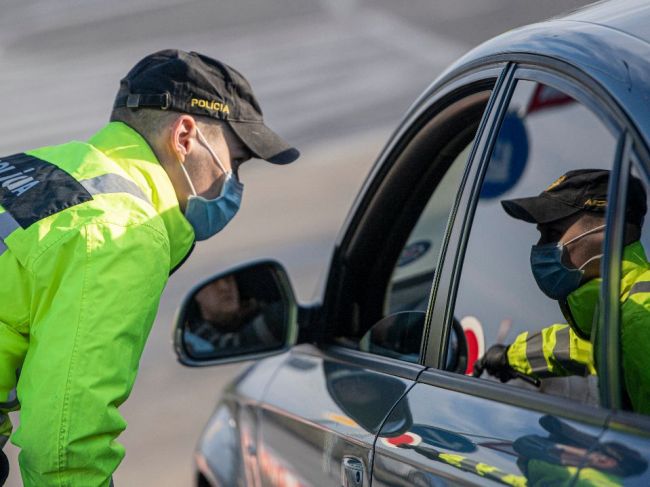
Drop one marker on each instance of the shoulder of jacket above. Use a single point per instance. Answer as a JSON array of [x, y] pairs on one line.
[[104, 234]]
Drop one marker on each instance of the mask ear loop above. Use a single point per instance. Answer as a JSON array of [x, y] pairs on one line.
[[212, 153], [590, 259], [187, 176], [203, 140], [588, 232]]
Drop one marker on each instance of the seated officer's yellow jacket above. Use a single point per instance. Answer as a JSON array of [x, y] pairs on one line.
[[557, 350], [89, 233]]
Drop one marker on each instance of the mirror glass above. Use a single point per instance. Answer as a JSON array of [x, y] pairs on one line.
[[243, 312]]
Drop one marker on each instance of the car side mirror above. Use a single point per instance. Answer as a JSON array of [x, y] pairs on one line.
[[243, 314]]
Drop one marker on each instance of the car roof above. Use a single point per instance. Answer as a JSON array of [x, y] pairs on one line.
[[609, 41]]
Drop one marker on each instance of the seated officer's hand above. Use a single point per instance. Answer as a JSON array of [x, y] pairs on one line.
[[495, 362]]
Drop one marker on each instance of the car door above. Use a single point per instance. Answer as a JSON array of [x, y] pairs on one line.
[[478, 431], [326, 404]]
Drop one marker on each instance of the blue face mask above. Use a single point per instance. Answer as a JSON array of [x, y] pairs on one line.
[[555, 279], [209, 216]]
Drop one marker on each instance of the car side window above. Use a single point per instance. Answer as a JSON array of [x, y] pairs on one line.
[[399, 332], [413, 272], [530, 277]]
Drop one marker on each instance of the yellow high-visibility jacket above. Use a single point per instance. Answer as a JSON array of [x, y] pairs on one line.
[[89, 232], [558, 350]]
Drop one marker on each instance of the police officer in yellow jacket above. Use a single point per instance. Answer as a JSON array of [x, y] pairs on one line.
[[570, 216], [89, 233]]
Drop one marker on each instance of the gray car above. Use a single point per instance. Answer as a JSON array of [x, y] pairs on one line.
[[373, 384]]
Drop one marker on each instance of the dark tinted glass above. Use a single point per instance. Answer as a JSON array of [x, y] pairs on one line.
[[412, 275]]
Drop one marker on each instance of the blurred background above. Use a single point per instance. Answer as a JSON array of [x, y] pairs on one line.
[[333, 76]]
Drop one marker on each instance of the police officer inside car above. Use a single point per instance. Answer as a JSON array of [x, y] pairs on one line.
[[90, 232], [570, 216]]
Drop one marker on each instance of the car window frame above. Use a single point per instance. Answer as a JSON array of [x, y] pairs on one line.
[[633, 153], [588, 92], [438, 324], [469, 82]]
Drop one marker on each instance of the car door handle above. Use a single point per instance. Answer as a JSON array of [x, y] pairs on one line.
[[351, 472]]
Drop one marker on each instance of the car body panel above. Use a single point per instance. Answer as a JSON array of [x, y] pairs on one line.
[[628, 435], [229, 439], [335, 410], [461, 438]]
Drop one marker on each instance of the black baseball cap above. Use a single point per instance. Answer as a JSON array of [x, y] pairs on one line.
[[578, 190], [192, 83]]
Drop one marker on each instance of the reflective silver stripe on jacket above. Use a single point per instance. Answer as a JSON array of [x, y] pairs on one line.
[[562, 352], [640, 287], [7, 227], [106, 183], [535, 355], [113, 183]]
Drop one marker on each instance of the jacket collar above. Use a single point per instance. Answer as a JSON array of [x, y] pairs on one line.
[[583, 302], [132, 153]]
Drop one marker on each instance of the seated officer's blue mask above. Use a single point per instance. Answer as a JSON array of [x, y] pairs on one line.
[[555, 279], [210, 216]]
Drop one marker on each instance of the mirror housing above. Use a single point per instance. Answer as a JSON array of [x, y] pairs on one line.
[[246, 313]]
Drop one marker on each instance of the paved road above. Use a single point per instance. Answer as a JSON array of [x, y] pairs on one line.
[[333, 76]]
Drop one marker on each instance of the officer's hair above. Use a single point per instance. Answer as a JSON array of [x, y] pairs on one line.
[[150, 122]]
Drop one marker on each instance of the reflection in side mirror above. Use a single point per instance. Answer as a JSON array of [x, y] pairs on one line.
[[239, 315]]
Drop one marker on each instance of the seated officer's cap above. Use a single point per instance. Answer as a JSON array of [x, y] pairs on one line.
[[192, 83], [579, 190]]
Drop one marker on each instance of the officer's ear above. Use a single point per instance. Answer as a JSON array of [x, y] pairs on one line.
[[183, 136]]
